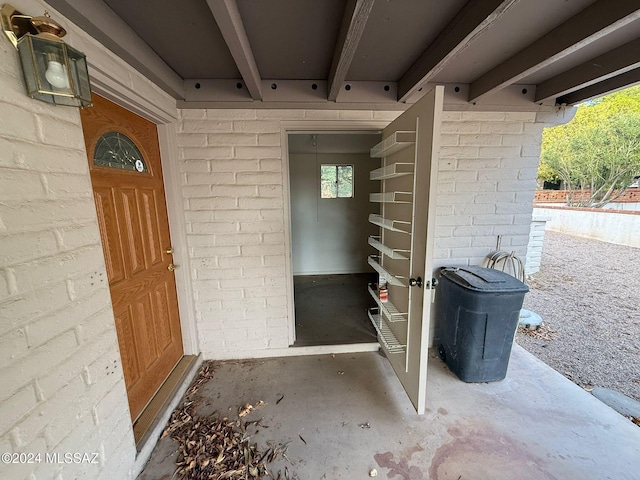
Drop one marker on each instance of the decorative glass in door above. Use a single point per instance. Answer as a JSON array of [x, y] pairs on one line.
[[116, 150]]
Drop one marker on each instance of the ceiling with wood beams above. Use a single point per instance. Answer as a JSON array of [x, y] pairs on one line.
[[370, 53]]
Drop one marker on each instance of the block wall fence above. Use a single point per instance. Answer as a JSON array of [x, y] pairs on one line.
[[631, 195]]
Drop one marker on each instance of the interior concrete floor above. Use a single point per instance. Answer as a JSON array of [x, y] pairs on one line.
[[354, 416], [332, 309]]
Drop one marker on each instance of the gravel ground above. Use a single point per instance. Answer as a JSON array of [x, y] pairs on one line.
[[588, 292]]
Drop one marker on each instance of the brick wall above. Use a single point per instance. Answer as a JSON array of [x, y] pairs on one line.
[[486, 182], [487, 179], [62, 383], [233, 180], [536, 243], [233, 187]]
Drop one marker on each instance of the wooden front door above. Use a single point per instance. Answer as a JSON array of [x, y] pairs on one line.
[[124, 161]]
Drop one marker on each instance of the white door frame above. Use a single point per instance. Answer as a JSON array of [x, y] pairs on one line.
[[317, 126]]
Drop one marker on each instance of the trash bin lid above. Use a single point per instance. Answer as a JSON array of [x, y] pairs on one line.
[[482, 279]]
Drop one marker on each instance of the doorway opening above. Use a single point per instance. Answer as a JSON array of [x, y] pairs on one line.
[[329, 194]]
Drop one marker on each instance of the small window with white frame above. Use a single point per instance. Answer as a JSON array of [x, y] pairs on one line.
[[336, 181]]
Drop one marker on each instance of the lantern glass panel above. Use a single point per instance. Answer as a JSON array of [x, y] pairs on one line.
[[79, 75], [32, 65], [54, 72]]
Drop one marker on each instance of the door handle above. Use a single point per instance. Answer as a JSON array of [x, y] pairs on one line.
[[173, 267], [415, 282]]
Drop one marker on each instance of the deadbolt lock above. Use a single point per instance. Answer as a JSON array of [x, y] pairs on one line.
[[169, 251], [418, 282], [433, 284]]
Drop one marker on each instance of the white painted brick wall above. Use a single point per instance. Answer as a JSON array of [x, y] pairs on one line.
[[487, 180], [487, 161], [536, 242], [62, 383], [233, 192]]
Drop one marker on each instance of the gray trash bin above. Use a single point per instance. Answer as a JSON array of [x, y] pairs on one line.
[[478, 315]]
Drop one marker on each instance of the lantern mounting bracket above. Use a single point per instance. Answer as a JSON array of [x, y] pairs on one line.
[[15, 24]]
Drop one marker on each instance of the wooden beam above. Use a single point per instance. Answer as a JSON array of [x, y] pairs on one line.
[[103, 24], [354, 20], [363, 95], [610, 85], [597, 20], [230, 23], [474, 18], [610, 64]]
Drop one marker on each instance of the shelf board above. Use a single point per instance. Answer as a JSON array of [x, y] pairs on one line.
[[388, 224], [391, 171], [393, 253], [388, 309], [391, 278], [391, 197], [385, 335], [394, 143]]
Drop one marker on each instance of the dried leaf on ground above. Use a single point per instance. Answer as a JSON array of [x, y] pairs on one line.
[[245, 410], [210, 447]]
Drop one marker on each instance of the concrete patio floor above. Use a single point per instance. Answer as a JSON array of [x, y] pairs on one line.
[[534, 425]]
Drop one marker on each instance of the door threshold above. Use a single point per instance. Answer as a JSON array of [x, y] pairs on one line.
[[162, 402], [328, 349]]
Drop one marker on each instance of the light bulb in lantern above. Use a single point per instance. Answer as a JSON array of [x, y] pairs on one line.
[[56, 75]]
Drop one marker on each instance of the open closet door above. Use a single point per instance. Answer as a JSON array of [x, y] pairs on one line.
[[408, 179]]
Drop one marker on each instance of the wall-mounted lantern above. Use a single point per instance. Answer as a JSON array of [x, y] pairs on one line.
[[53, 71]]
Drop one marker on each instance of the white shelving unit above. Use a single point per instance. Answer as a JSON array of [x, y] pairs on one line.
[[394, 143], [394, 253], [387, 308], [387, 314], [390, 277], [386, 336], [391, 197], [391, 171], [392, 225]]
